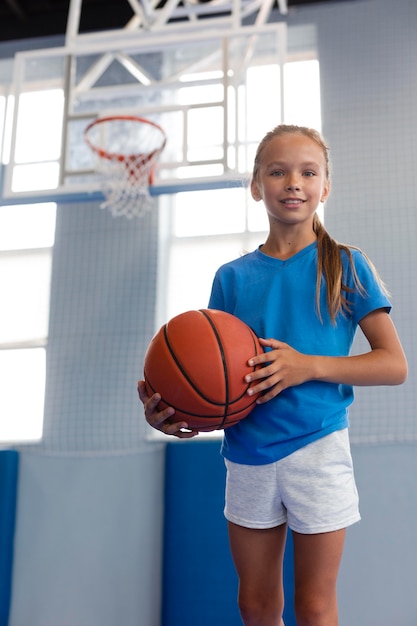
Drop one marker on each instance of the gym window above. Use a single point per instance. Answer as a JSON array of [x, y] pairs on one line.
[[215, 226], [201, 230], [26, 240]]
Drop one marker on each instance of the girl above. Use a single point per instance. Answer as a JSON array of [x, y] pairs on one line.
[[289, 463]]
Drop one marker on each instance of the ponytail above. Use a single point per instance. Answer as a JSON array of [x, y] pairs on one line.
[[330, 269]]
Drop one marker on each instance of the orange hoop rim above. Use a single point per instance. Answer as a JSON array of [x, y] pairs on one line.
[[140, 157]]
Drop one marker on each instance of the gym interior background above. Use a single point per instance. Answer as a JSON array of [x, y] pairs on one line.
[[101, 524]]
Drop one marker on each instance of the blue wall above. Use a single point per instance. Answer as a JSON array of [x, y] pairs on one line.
[[199, 581], [9, 464]]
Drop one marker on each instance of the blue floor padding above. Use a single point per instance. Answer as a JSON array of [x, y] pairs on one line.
[[9, 461], [199, 580]]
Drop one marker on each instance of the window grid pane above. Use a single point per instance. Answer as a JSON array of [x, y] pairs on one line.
[[27, 226], [26, 240], [21, 414], [212, 227], [25, 280]]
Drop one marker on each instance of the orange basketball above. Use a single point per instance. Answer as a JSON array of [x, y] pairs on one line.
[[197, 363]]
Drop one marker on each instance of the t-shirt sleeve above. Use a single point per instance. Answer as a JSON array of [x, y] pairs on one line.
[[372, 296], [217, 300]]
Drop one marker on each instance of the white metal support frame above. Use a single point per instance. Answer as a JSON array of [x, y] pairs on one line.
[[151, 17], [219, 26]]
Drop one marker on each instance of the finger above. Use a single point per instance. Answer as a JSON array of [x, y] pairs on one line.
[[267, 357], [259, 359], [162, 421], [142, 391], [260, 374], [179, 430], [158, 419], [265, 397], [153, 401], [271, 342], [268, 388]]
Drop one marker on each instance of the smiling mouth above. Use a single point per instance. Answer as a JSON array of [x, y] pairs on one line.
[[293, 202]]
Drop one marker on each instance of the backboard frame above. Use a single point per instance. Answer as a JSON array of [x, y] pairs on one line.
[[125, 50]]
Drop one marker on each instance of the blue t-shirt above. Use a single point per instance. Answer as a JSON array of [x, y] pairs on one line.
[[277, 299]]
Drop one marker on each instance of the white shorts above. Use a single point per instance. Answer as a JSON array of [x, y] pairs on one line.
[[312, 490]]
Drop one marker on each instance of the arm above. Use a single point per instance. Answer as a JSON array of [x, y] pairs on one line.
[[384, 364]]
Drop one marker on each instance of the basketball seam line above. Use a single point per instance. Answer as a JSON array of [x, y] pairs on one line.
[[223, 357], [187, 377]]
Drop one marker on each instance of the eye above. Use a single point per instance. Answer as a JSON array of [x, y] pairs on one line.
[[309, 173], [277, 173]]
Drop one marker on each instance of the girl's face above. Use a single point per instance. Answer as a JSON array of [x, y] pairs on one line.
[[292, 179]]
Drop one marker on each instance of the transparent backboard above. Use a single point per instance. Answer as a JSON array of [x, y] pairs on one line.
[[214, 96]]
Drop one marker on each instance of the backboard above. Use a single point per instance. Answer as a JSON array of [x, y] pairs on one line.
[[214, 88]]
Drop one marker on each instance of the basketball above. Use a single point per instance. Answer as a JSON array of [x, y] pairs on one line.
[[197, 363]]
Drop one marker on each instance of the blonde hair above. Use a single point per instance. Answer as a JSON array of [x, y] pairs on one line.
[[329, 258]]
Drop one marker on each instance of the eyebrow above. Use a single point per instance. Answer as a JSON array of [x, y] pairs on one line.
[[306, 164]]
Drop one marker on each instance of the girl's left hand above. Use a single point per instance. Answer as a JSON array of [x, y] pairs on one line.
[[280, 367]]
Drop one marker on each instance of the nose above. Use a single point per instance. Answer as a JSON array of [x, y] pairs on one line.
[[292, 183], [292, 186]]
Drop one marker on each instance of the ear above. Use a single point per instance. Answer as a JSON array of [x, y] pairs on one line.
[[255, 191], [326, 192]]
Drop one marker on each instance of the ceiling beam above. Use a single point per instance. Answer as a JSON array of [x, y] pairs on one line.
[[17, 9], [283, 6]]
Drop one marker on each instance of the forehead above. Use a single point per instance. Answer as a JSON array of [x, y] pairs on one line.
[[294, 147]]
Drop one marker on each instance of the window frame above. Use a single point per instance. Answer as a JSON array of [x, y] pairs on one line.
[[168, 240], [29, 434]]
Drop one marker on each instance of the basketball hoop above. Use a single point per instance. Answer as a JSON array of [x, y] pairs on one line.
[[127, 148]]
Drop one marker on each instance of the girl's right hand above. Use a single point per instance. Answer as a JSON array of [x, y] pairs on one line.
[[161, 420]]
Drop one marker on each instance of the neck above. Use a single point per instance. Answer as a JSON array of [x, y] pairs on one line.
[[285, 247]]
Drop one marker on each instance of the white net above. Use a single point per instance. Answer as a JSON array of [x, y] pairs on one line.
[[127, 149]]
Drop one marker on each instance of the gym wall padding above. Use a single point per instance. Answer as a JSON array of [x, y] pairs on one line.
[[9, 462], [199, 580]]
